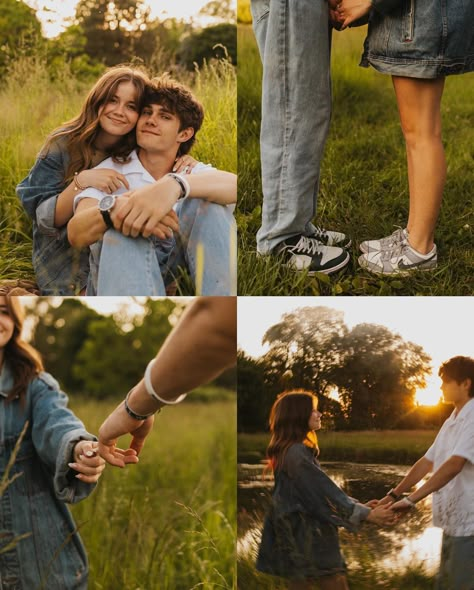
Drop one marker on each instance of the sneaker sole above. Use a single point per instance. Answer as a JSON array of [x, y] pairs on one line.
[[397, 272]]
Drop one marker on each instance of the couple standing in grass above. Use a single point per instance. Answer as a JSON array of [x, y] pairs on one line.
[[418, 44], [117, 205], [300, 536], [58, 461]]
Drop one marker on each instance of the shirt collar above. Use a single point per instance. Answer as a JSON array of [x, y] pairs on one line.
[[134, 166], [462, 414]]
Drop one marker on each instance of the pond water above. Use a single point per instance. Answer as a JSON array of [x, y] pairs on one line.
[[413, 542]]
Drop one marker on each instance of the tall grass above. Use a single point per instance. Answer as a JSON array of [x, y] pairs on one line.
[[170, 521], [32, 105], [363, 183]]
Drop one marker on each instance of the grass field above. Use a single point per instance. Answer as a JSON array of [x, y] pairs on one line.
[[168, 523], [397, 447], [31, 106], [363, 184]]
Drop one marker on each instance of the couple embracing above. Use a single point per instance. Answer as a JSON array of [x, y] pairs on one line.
[[300, 536], [117, 204]]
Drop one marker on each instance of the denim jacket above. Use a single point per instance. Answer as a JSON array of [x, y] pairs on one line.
[[302, 486], [59, 269], [51, 556]]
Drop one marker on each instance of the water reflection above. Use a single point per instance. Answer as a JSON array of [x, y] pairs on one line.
[[412, 542]]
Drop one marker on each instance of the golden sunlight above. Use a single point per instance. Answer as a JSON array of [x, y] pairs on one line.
[[428, 397]]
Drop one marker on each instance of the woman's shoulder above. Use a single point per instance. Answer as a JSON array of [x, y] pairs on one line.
[[55, 146], [298, 452], [43, 382]]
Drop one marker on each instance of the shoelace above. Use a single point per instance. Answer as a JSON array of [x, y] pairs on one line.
[[397, 249], [320, 232], [390, 241], [308, 245]]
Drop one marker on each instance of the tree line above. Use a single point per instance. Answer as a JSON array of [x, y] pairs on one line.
[[103, 356], [374, 372], [107, 33]]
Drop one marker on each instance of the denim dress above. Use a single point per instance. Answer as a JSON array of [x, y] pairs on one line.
[[420, 38], [300, 536], [51, 555], [59, 269]]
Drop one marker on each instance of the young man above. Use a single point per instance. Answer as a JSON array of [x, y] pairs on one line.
[[294, 42], [139, 238], [451, 459]]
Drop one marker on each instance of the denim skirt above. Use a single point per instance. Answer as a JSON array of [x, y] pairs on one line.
[[422, 39]]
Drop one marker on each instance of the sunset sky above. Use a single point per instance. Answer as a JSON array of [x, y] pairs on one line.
[[53, 13]]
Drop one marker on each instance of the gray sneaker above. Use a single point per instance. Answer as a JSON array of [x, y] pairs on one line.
[[399, 260], [399, 236], [303, 253]]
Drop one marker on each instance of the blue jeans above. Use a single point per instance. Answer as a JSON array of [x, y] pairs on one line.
[[138, 266], [294, 41], [456, 571]]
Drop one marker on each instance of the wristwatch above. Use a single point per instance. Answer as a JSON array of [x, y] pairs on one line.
[[106, 204]]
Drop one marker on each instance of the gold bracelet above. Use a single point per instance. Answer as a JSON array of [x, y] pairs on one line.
[[77, 185]]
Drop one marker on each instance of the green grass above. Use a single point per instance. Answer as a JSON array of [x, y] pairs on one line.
[[399, 447], [363, 182], [170, 521], [32, 105]]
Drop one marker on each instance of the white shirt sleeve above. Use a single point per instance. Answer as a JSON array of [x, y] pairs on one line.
[[88, 193], [465, 444]]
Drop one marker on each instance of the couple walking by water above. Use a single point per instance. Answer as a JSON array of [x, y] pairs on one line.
[[300, 539]]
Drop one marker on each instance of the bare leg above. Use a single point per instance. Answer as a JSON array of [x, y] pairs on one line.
[[419, 105], [336, 582]]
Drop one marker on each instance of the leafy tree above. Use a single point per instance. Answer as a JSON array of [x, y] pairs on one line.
[[253, 404], [218, 41], [220, 9], [379, 376], [20, 31]]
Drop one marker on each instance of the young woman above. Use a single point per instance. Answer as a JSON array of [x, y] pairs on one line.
[[57, 462], [418, 44], [104, 127], [300, 536]]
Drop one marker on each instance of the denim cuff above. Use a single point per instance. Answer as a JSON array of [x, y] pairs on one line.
[[359, 514], [67, 488], [386, 6], [45, 217]]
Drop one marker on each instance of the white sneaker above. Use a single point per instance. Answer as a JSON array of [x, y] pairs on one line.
[[399, 260], [399, 236], [330, 238]]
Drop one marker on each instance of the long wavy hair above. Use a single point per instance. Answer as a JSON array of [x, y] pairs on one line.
[[80, 133], [289, 418], [23, 360]]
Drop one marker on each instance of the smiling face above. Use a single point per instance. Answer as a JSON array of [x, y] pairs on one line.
[[119, 115], [7, 324], [158, 130]]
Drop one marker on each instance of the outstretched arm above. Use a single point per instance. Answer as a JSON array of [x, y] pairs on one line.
[[203, 341]]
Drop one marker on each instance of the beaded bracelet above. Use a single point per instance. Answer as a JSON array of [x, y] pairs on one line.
[[77, 185], [152, 392], [133, 414]]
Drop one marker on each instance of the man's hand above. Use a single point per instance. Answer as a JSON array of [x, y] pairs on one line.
[[145, 207], [382, 516], [117, 424], [352, 10], [402, 506], [335, 17]]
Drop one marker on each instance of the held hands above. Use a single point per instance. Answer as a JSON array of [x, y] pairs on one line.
[[403, 506], [163, 229], [144, 208], [117, 424], [103, 179], [382, 516], [347, 12], [87, 462]]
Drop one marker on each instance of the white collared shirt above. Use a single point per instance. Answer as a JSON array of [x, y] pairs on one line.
[[134, 172], [453, 504]]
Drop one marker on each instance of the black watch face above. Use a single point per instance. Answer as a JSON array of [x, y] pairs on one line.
[[106, 203]]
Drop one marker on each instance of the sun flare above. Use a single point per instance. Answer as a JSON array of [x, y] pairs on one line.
[[428, 397]]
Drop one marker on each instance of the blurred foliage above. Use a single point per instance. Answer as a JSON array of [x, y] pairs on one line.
[[374, 371], [217, 42], [104, 355], [244, 14]]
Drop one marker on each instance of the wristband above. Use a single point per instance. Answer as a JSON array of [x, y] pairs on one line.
[[393, 495], [409, 502], [151, 392], [183, 185], [134, 415]]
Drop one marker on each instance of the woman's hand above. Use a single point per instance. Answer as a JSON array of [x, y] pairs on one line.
[[87, 461], [382, 516], [103, 179], [372, 503], [184, 164], [352, 10], [117, 424], [163, 229]]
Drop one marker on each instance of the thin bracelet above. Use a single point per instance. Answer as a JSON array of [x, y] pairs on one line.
[[410, 502], [183, 184], [393, 495], [133, 414], [77, 185], [152, 392]]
